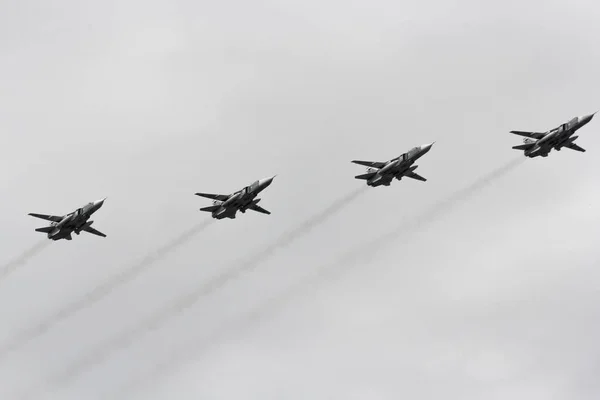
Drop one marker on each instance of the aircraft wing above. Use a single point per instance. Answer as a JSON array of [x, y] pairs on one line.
[[366, 176], [220, 197], [373, 164], [93, 231], [573, 146], [525, 146], [534, 135], [53, 218], [259, 209], [416, 176], [210, 209]]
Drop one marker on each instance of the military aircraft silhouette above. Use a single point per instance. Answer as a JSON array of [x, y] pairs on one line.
[[382, 173], [227, 205], [538, 144], [61, 227]]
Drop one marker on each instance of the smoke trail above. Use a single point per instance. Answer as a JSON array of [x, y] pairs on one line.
[[13, 265], [158, 318], [331, 271], [190, 351], [101, 290], [435, 211]]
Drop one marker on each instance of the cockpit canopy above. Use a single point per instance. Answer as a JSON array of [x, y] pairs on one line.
[[412, 152], [253, 187]]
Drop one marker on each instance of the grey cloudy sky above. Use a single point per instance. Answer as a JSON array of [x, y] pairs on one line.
[[147, 102]]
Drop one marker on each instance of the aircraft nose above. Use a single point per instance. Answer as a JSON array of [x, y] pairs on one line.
[[427, 147], [587, 118], [100, 202], [267, 181]]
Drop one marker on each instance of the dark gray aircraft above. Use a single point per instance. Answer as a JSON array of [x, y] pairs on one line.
[[538, 144], [61, 227], [382, 173], [227, 205]]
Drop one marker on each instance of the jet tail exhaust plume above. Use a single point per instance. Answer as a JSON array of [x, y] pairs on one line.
[[160, 317], [18, 262], [348, 260], [101, 290], [190, 351], [432, 213]]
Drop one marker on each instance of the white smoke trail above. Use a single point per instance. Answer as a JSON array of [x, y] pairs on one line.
[[162, 316], [100, 291], [21, 260], [348, 260]]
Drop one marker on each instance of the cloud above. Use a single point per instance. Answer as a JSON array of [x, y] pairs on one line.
[[494, 300]]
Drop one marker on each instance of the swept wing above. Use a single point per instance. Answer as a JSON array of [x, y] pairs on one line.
[[575, 147], [416, 176], [259, 209], [373, 164], [525, 146], [93, 231], [220, 197], [53, 218], [533, 135], [366, 176], [210, 208]]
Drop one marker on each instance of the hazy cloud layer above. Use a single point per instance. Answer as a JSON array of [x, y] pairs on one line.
[[150, 102]]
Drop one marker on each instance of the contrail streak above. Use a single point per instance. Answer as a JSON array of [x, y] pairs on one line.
[[190, 352], [432, 213], [330, 271], [18, 262], [101, 290], [157, 319]]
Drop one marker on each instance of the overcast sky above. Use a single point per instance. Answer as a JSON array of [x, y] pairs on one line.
[[148, 102]]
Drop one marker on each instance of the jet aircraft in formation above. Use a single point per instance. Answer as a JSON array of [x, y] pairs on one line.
[[538, 144], [382, 173], [227, 205], [61, 227], [378, 174]]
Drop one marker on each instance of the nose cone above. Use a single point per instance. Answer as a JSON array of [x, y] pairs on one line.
[[266, 181], [99, 203], [586, 118], [426, 147]]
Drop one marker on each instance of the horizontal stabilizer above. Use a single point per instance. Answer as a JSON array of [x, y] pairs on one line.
[[220, 197], [259, 209], [575, 147], [416, 176], [47, 229], [365, 176], [210, 209], [525, 146], [93, 231]]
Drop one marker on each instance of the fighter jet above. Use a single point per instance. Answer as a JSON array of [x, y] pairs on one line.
[[382, 173], [227, 205], [61, 227], [538, 144]]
